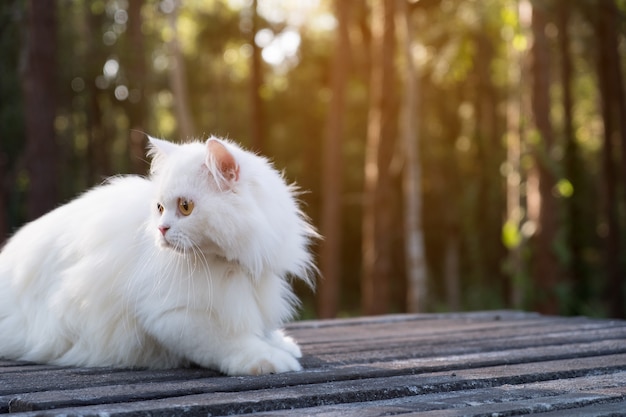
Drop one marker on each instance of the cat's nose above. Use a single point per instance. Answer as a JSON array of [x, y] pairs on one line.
[[164, 229]]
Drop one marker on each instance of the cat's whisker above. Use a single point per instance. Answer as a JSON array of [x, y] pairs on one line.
[[173, 268], [131, 287], [200, 262], [145, 259], [206, 273], [186, 274]]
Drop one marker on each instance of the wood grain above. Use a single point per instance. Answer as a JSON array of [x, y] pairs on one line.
[[487, 363]]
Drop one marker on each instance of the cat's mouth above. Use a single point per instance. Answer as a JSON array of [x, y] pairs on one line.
[[165, 243], [185, 247]]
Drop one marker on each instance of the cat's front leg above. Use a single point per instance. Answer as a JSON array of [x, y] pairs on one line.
[[195, 336], [253, 355], [274, 354], [279, 339]]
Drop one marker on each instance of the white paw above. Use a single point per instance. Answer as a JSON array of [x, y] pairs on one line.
[[260, 359], [263, 366], [280, 340]]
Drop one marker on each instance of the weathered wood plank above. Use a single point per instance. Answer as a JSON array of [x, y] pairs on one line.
[[447, 364], [459, 336], [160, 383], [439, 329], [68, 378], [223, 403], [601, 409], [510, 400]]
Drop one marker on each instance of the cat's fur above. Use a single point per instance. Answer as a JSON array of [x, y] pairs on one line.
[[121, 277]]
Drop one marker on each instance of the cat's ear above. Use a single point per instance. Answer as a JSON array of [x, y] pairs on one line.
[[158, 150], [160, 147], [221, 163]]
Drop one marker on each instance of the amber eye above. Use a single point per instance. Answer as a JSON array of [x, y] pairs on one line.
[[185, 206], [160, 208]]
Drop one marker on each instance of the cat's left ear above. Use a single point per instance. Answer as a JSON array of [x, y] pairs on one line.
[[221, 163]]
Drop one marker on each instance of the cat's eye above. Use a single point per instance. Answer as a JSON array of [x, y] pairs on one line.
[[185, 206], [160, 208]]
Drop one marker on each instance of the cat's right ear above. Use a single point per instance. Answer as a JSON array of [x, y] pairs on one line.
[[158, 150], [160, 147]]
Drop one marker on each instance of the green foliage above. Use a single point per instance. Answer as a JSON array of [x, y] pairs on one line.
[[511, 235]]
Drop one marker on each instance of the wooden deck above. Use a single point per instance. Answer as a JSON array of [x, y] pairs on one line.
[[475, 364]]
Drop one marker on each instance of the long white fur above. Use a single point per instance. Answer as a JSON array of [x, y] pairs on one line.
[[95, 283]]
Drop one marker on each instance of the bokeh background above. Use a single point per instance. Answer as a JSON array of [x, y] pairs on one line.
[[457, 155]]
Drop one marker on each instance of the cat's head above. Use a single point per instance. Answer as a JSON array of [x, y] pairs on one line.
[[215, 199]]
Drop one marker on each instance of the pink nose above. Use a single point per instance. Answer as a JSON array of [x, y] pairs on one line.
[[164, 229]]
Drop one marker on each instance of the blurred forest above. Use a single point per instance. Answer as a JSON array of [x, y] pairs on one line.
[[458, 154]]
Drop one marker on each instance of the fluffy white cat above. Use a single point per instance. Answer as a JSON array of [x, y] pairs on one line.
[[188, 266]]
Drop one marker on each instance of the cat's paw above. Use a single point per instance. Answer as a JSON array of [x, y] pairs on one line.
[[273, 366], [261, 361], [280, 340]]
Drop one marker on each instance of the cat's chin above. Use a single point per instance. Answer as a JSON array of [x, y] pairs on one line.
[[166, 245], [212, 250]]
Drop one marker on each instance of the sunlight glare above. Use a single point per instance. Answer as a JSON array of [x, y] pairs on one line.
[[289, 41], [110, 69], [292, 13], [264, 37], [121, 92], [273, 54], [281, 48]]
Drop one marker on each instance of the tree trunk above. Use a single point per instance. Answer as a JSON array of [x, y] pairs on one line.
[[137, 98], [178, 80], [573, 167], [257, 124], [4, 201], [97, 152], [611, 91], [376, 250], [512, 236], [546, 272], [39, 85], [330, 251], [488, 251], [417, 289]]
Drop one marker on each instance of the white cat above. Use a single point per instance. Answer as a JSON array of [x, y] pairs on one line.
[[188, 266]]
